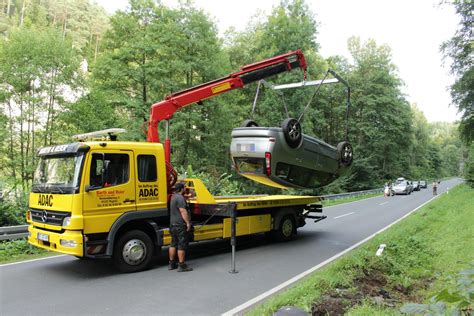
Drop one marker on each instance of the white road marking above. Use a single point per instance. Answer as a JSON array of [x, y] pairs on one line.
[[343, 215], [258, 299], [32, 260], [383, 203]]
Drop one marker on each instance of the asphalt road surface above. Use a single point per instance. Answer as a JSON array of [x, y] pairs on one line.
[[65, 285]]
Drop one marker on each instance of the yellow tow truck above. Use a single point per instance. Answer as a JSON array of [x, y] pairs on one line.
[[109, 199]]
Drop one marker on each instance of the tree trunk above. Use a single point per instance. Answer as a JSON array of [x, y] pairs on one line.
[[96, 50], [48, 127], [22, 15], [22, 145], [12, 155]]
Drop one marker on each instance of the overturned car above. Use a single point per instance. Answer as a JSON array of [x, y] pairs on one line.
[[283, 157]]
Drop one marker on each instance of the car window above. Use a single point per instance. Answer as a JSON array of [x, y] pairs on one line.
[[250, 165]]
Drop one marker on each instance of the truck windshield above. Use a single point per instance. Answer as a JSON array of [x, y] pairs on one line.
[[58, 174]]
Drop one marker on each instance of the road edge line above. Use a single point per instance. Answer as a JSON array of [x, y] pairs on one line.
[[247, 305], [31, 260]]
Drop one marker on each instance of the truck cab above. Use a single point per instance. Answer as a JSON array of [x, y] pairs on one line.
[[80, 190]]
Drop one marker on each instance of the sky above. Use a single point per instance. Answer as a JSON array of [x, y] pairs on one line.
[[413, 29]]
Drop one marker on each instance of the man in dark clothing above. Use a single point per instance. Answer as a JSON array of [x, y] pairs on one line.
[[180, 225]]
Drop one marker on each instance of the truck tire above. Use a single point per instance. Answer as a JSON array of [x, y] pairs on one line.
[[286, 229], [292, 131], [133, 251], [249, 123]]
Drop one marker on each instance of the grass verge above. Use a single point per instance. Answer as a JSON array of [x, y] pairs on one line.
[[423, 255], [19, 250]]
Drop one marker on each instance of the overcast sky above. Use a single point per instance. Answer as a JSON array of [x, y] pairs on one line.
[[414, 30]]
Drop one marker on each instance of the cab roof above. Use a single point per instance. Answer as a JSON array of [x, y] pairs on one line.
[[77, 147]]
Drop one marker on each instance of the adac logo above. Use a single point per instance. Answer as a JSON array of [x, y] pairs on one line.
[[148, 192], [45, 200]]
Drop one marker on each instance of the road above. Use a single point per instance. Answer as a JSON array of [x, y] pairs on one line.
[[66, 285]]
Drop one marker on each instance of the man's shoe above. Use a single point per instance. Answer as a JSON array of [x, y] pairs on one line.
[[172, 265], [183, 267]]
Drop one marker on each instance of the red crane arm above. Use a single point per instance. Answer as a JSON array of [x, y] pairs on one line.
[[165, 109]]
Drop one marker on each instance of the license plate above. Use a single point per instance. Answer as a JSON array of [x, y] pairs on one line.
[[43, 237], [246, 147]]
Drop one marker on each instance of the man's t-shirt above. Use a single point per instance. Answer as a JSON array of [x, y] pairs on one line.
[[177, 202]]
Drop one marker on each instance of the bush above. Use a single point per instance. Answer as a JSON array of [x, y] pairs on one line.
[[12, 212], [18, 249]]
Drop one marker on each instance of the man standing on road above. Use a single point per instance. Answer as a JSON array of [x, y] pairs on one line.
[[180, 226], [435, 188]]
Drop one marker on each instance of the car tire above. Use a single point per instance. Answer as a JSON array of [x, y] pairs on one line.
[[249, 123], [286, 229], [345, 153], [293, 132], [133, 251]]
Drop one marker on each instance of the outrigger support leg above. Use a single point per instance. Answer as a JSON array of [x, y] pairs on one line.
[[233, 239]]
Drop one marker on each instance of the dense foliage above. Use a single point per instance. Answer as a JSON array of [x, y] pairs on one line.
[[67, 68], [460, 49]]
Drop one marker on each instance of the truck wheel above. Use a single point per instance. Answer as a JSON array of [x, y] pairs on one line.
[[287, 228], [133, 251], [249, 123], [344, 153], [292, 131]]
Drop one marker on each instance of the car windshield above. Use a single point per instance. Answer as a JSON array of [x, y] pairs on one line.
[[58, 174], [250, 165]]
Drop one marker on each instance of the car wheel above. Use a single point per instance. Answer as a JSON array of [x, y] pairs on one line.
[[292, 131], [286, 229], [249, 123], [133, 251], [345, 153]]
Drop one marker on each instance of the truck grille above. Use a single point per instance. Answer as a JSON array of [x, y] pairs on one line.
[[48, 217]]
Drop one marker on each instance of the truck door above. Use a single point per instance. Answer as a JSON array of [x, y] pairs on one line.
[[110, 176]]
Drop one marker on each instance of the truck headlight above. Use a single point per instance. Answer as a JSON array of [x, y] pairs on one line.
[[67, 221], [68, 243]]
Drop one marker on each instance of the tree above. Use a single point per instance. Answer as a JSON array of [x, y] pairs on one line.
[[381, 125], [460, 49], [36, 68]]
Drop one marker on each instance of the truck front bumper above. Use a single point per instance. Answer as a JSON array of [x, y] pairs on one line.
[[68, 242]]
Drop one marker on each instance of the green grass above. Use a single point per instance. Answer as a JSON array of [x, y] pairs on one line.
[[424, 253], [350, 199], [19, 250]]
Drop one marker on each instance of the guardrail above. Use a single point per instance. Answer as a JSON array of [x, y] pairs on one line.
[[350, 194], [21, 231], [13, 232]]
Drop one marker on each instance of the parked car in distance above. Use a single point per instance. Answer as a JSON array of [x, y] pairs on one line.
[[423, 184], [416, 186], [402, 187]]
